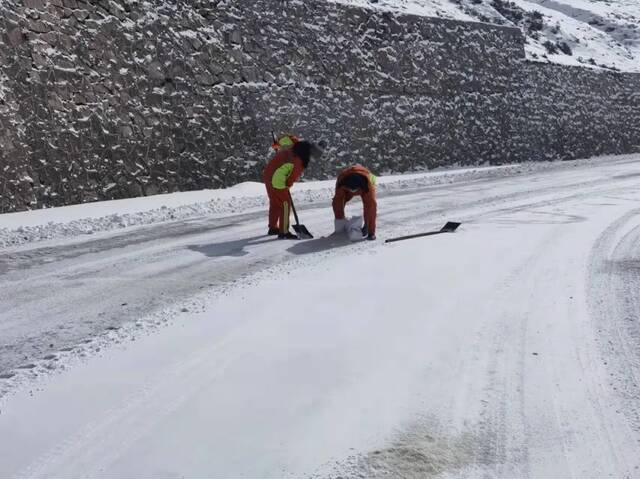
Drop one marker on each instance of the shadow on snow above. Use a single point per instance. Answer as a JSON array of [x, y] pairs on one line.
[[236, 248], [320, 244], [230, 248]]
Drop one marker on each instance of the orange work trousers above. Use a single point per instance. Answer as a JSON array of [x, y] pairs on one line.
[[279, 208]]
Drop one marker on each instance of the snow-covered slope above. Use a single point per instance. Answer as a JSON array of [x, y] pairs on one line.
[[597, 33]]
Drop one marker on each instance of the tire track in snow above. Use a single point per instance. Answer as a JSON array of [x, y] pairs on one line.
[[493, 445], [509, 425], [614, 285]]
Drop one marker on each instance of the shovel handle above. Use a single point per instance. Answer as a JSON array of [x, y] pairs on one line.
[[293, 208]]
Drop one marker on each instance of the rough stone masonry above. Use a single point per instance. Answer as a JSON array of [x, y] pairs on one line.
[[108, 99]]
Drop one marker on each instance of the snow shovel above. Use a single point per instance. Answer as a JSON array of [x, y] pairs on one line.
[[301, 230], [450, 227]]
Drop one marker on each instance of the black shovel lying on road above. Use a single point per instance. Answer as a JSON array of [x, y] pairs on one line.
[[301, 230], [450, 227]]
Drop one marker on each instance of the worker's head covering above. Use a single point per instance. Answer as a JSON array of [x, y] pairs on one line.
[[284, 141], [355, 182], [305, 150]]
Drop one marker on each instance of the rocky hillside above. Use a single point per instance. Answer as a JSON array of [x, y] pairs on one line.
[[594, 33]]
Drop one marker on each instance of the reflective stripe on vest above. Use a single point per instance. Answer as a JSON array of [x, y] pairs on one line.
[[281, 175], [285, 227]]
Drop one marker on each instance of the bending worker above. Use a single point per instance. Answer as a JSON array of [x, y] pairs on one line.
[[279, 175], [357, 181]]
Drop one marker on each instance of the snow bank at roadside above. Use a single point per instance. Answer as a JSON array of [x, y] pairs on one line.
[[90, 218]]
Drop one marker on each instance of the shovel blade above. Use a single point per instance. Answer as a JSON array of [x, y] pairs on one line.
[[450, 227], [302, 232]]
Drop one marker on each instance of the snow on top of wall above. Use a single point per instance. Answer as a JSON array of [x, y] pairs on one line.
[[427, 8], [593, 33]]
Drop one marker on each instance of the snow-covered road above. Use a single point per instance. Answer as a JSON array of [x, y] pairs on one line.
[[508, 349]]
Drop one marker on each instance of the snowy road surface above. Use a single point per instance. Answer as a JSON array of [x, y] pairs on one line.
[[510, 349]]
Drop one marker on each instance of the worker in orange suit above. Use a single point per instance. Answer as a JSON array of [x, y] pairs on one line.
[[356, 181], [280, 174]]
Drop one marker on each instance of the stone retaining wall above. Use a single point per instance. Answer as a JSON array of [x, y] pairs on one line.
[[113, 99]]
